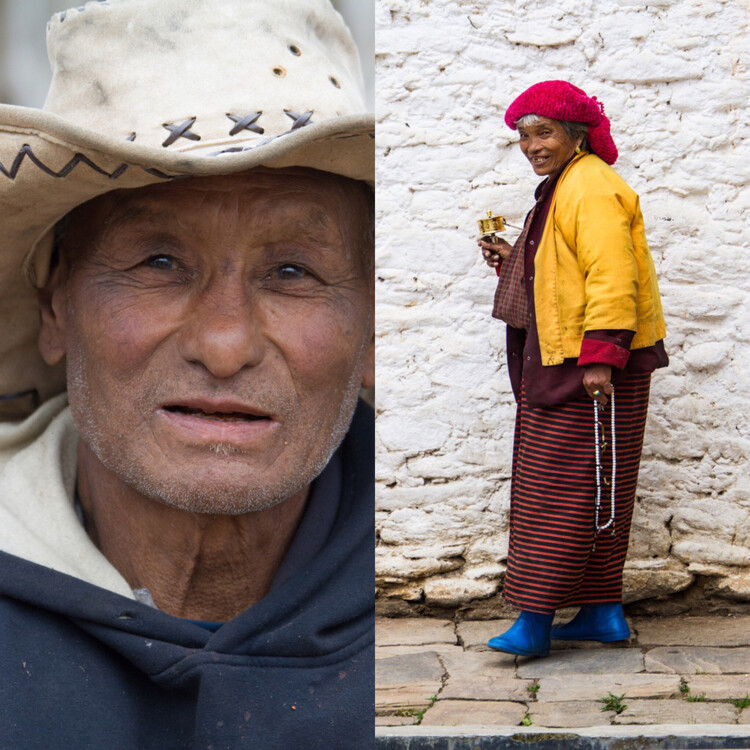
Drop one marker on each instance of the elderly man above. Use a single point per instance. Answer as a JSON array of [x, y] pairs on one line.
[[186, 548]]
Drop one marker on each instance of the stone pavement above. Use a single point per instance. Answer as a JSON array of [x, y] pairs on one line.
[[673, 671]]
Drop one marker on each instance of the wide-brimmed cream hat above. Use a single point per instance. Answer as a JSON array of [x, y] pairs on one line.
[[147, 90]]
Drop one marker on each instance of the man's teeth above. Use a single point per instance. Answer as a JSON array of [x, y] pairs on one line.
[[224, 416]]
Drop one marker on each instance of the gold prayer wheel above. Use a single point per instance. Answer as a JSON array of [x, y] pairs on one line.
[[491, 225]]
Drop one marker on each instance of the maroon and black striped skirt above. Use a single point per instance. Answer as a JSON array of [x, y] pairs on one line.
[[555, 559]]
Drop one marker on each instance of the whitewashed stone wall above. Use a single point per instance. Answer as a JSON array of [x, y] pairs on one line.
[[673, 75]]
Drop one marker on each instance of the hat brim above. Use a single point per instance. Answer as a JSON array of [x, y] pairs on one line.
[[330, 132], [48, 166]]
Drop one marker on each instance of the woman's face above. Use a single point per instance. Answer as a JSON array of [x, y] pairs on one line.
[[546, 145]]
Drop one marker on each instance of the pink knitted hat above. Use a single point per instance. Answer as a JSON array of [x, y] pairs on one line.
[[560, 100]]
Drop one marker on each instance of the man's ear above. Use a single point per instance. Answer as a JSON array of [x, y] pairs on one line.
[[368, 372], [52, 304]]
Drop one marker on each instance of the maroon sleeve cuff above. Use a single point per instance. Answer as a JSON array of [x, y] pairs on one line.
[[594, 352]]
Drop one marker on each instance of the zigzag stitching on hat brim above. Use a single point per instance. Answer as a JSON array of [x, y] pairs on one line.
[[53, 128], [78, 158]]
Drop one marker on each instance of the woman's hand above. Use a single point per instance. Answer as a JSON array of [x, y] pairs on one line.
[[494, 252], [597, 378]]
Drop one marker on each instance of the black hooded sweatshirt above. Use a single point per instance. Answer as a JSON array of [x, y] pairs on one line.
[[85, 668]]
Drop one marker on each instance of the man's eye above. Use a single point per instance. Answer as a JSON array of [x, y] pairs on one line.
[[162, 262], [288, 272]]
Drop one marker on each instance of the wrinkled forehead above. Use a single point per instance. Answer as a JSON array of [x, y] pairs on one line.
[[532, 122], [299, 199]]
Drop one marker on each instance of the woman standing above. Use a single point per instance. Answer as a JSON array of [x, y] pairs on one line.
[[585, 331]]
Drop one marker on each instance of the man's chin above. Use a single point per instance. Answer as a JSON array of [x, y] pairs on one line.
[[219, 479], [218, 498]]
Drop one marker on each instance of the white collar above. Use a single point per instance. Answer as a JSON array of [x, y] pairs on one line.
[[38, 521]]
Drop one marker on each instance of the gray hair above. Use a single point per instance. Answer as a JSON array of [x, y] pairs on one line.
[[575, 130]]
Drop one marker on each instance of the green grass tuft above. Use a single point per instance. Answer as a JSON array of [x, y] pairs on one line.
[[613, 703], [417, 714], [687, 695], [420, 714]]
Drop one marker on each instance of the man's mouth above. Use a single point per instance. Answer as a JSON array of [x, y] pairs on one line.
[[538, 159], [205, 422], [218, 412]]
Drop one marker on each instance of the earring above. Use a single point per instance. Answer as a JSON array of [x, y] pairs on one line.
[[578, 149]]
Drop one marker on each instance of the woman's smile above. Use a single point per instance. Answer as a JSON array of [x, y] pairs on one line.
[[546, 145], [538, 159]]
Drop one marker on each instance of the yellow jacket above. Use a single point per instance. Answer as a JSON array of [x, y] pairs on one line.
[[593, 269]]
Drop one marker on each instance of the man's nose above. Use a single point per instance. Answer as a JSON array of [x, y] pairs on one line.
[[224, 330]]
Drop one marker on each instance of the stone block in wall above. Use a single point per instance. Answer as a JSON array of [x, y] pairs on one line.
[[705, 549], [542, 35], [697, 95], [494, 571], [489, 549], [413, 593], [650, 535], [417, 561], [648, 68], [412, 433], [708, 356], [410, 526], [453, 592], [646, 579], [395, 568], [698, 538], [712, 303], [734, 586]]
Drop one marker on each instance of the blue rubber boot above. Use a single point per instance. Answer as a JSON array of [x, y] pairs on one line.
[[595, 622], [528, 636]]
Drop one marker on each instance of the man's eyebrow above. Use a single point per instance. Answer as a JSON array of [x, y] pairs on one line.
[[316, 225], [120, 219], [304, 229]]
